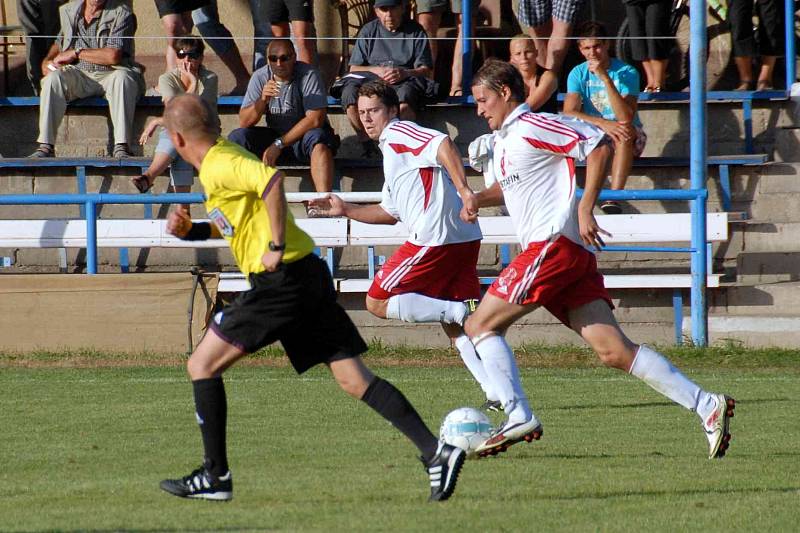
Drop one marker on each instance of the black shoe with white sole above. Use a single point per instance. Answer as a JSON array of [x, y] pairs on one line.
[[201, 484], [443, 470], [494, 406]]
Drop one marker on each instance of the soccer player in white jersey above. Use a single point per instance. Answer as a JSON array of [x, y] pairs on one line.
[[431, 275], [530, 157]]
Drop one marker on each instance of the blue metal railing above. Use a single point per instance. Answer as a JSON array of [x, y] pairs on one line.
[[696, 196]]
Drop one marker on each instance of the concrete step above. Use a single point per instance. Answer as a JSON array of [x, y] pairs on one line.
[[767, 267], [763, 299], [752, 330]]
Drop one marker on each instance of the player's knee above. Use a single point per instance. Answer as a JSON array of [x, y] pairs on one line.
[[615, 355], [376, 307], [353, 385], [198, 368], [475, 327]]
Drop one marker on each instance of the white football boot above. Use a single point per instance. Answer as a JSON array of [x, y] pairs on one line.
[[717, 426]]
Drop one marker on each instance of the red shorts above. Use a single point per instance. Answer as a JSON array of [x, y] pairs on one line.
[[446, 272], [559, 275]]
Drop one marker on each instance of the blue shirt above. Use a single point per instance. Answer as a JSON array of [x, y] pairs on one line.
[[593, 91]]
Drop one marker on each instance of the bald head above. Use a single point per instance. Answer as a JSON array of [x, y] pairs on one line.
[[280, 46], [192, 117]]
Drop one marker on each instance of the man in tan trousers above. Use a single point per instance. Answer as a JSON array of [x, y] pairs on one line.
[[92, 57]]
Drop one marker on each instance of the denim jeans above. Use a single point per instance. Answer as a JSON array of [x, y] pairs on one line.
[[181, 172]]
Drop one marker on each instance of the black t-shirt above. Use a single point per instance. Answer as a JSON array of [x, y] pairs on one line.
[[408, 47]]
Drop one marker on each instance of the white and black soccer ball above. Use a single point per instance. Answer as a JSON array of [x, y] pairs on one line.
[[466, 428]]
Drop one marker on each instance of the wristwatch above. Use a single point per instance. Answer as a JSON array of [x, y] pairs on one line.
[[276, 247], [279, 143]]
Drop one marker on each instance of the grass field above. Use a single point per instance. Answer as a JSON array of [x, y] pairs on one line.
[[84, 448]]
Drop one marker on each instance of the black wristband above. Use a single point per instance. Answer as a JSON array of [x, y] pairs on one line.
[[199, 231]]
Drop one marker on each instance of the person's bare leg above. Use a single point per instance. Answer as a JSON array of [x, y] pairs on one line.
[[540, 36], [280, 30], [232, 59], [765, 72], [456, 74], [744, 66], [558, 46], [184, 188], [306, 39], [659, 68], [175, 25], [322, 168], [595, 322], [621, 164], [430, 22], [648, 73], [407, 112]]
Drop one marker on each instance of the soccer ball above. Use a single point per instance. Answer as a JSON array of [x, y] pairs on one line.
[[466, 428]]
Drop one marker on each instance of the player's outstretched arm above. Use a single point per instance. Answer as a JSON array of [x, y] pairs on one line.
[[490, 197], [275, 203], [449, 157], [596, 163], [180, 224], [332, 205]]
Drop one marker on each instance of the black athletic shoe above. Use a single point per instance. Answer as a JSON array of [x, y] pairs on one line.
[[492, 405], [443, 470], [201, 484]]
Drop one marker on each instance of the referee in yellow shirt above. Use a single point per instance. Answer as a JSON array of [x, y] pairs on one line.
[[292, 300]]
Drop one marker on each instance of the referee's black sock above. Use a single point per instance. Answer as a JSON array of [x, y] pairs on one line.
[[394, 407], [211, 407]]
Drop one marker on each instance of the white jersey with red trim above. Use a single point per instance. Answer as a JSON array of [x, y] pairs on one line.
[[533, 160], [417, 190]]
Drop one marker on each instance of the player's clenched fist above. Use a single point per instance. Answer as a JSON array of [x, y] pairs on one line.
[[179, 223]]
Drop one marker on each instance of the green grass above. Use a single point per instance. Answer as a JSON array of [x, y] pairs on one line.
[[84, 449]]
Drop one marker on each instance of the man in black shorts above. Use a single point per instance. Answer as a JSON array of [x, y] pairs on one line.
[[292, 300], [300, 13]]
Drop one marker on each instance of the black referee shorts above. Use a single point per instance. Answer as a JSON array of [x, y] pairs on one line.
[[297, 306]]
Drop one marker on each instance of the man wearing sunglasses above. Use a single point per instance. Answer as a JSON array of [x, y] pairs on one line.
[[290, 96], [93, 56]]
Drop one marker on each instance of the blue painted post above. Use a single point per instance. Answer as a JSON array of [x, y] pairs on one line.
[[698, 169], [790, 48], [80, 176], [91, 236], [466, 47]]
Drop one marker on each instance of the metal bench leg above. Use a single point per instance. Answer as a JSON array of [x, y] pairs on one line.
[[124, 261], [505, 255], [677, 308], [80, 178], [330, 259], [725, 185], [747, 112], [371, 262]]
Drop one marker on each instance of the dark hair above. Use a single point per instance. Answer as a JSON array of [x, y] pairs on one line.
[[191, 43], [494, 74], [591, 30], [385, 93]]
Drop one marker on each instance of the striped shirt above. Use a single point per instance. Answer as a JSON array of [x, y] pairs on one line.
[[86, 36]]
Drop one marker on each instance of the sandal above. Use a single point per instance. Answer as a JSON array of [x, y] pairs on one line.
[[143, 183], [456, 93], [746, 85], [764, 85]]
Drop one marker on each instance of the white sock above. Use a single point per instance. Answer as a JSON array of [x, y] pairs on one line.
[[475, 365], [656, 370], [501, 369], [412, 307]]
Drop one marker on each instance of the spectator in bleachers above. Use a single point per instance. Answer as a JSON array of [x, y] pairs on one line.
[[92, 57], [429, 16], [190, 77], [550, 24], [604, 91], [300, 14], [769, 41], [522, 54], [290, 96], [396, 50], [179, 16], [650, 18], [39, 20]]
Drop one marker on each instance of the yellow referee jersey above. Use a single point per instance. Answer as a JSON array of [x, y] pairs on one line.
[[234, 180]]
